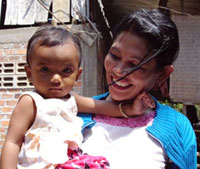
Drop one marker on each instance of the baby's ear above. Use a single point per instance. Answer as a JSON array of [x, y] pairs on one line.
[[79, 73], [28, 71]]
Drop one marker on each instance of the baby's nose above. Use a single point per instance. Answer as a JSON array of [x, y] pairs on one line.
[[56, 79]]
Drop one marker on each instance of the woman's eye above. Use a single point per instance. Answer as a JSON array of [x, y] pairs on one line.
[[44, 69], [115, 57], [132, 65]]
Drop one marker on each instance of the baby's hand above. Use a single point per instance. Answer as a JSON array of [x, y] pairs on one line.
[[140, 105], [72, 145]]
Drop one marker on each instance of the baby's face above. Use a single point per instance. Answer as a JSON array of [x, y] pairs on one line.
[[54, 70]]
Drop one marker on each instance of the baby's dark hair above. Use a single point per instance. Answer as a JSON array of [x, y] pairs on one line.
[[51, 36], [157, 29]]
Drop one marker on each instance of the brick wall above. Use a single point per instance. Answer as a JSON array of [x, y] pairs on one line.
[[8, 97]]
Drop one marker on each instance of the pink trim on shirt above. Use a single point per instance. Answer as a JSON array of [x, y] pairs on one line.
[[126, 122]]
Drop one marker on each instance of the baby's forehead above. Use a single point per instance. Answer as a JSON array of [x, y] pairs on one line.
[[59, 54]]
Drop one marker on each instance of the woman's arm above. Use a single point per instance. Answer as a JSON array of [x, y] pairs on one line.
[[110, 108], [21, 119]]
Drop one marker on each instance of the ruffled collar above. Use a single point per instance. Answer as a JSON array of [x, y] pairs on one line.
[[127, 122]]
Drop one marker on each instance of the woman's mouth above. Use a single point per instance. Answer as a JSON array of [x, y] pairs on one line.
[[120, 83]]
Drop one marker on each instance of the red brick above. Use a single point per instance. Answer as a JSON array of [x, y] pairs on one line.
[[6, 109], [17, 96], [17, 45], [3, 136], [2, 90], [24, 58], [14, 90], [7, 96], [3, 59], [3, 130], [20, 51], [2, 102], [1, 144], [5, 124], [8, 116], [11, 102], [1, 53], [14, 58], [1, 116], [7, 46], [8, 51]]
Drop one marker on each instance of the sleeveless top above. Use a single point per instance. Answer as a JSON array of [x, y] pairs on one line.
[[55, 129]]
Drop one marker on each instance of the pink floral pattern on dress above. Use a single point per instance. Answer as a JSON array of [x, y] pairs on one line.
[[80, 160], [127, 122]]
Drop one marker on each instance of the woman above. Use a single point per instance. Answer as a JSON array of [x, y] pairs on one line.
[[140, 60]]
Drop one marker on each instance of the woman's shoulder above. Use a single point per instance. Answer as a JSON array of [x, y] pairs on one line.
[[170, 113], [172, 121], [171, 128]]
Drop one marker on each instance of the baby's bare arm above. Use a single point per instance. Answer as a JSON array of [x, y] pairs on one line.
[[103, 107], [21, 119], [111, 108]]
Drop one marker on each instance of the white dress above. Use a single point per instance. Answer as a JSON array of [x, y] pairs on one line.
[[56, 127], [125, 143]]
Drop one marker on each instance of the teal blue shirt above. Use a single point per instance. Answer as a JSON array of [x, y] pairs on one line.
[[172, 129]]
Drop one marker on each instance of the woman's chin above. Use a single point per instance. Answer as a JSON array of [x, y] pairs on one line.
[[120, 95]]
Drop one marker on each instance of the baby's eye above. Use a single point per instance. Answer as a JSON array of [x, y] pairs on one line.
[[67, 70], [44, 69]]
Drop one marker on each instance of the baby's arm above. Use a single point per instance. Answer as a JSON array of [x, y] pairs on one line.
[[21, 119], [103, 107], [111, 108]]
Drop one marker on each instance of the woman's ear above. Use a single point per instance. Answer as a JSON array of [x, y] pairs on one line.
[[162, 82], [165, 73], [28, 72]]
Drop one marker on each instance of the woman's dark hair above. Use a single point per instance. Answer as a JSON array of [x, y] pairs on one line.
[[51, 36], [157, 29]]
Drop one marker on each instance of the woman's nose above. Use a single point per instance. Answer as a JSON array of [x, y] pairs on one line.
[[56, 79], [120, 69]]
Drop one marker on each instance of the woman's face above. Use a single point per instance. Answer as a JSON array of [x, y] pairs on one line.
[[126, 52]]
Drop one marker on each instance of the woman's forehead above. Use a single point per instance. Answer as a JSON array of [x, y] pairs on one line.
[[130, 44]]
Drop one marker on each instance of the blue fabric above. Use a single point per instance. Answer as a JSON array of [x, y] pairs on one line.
[[173, 130], [86, 117], [87, 120]]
